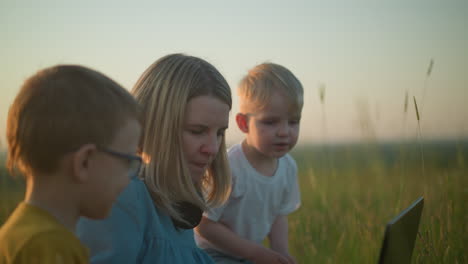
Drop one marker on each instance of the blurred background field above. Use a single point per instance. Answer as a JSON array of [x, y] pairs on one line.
[[349, 193]]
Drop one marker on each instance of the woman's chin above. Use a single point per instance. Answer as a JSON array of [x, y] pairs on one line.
[[197, 176]]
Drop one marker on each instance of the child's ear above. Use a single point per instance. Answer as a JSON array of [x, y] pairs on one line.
[[81, 162], [242, 122]]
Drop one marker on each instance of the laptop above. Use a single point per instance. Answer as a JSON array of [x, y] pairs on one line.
[[400, 235]]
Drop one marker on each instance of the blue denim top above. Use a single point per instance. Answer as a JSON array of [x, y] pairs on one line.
[[137, 232]]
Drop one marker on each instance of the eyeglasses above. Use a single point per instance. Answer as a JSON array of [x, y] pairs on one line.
[[133, 160]]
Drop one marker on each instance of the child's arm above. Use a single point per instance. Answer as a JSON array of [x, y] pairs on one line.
[[291, 201], [228, 241], [278, 237]]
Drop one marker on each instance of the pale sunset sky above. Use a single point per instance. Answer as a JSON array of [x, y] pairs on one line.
[[368, 54]]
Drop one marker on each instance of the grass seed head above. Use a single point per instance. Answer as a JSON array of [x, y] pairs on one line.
[[429, 69], [322, 87], [416, 108], [405, 107]]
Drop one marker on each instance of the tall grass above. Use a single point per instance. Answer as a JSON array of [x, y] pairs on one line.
[[428, 74], [403, 135], [322, 89], [418, 118], [343, 214], [11, 191]]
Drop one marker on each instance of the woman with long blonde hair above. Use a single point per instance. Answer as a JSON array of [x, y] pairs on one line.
[[185, 105]]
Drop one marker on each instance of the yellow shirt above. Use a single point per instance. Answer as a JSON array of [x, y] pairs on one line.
[[32, 235]]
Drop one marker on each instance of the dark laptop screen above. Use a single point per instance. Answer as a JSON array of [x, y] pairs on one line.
[[400, 235]]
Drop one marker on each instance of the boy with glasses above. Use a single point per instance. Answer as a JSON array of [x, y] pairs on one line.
[[72, 133]]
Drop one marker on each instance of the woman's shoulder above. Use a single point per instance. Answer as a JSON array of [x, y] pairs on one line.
[[129, 206], [135, 199], [132, 193]]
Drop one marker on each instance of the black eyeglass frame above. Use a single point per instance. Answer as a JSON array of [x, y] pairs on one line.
[[125, 156]]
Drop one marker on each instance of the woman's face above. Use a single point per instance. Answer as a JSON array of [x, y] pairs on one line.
[[206, 119]]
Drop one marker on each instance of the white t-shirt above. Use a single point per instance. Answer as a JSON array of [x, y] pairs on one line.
[[256, 200]]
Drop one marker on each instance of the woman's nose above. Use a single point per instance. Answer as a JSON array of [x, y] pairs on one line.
[[211, 145]]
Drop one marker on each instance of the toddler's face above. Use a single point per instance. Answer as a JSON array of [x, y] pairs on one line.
[[274, 130]]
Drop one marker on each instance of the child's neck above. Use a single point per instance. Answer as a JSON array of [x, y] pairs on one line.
[[262, 164], [53, 199]]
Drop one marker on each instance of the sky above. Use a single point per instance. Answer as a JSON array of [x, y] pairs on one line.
[[367, 54]]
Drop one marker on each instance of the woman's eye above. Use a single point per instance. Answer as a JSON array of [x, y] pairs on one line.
[[196, 132]]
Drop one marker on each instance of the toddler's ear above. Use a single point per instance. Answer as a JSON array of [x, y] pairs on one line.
[[81, 162], [242, 122]]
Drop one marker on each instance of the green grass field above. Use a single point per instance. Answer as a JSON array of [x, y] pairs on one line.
[[349, 193]]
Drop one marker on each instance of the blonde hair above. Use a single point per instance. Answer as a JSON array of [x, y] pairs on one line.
[[163, 92], [59, 109], [256, 88]]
